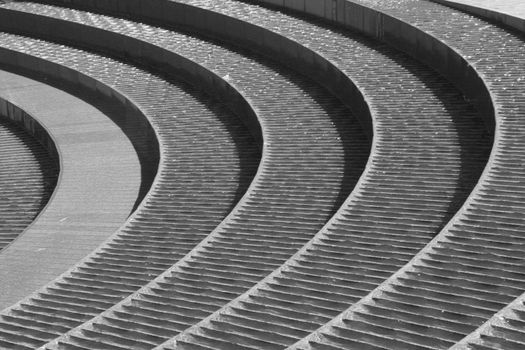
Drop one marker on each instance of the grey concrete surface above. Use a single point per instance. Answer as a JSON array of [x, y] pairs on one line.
[[98, 185]]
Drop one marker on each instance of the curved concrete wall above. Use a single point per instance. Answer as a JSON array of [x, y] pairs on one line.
[[402, 36], [134, 124], [31, 125], [247, 35], [135, 50]]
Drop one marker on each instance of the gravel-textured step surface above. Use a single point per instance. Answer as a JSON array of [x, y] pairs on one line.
[[208, 160], [475, 266], [387, 221], [430, 147], [28, 175], [314, 154]]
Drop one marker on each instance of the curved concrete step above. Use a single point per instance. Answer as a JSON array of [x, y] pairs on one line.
[[397, 147], [301, 290], [506, 329], [320, 177], [473, 268], [94, 194], [28, 173], [294, 197], [201, 176]]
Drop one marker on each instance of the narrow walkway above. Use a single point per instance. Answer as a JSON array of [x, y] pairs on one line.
[[100, 176]]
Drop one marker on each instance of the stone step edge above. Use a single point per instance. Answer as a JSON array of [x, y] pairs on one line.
[[135, 51], [403, 36], [502, 18], [433, 52], [267, 43], [74, 32], [32, 126], [41, 133], [34, 66]]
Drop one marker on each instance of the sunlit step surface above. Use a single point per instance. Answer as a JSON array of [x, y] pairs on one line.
[[315, 153], [188, 200], [474, 267], [420, 215]]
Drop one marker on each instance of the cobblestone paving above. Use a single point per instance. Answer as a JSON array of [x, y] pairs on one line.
[[394, 212], [28, 176], [474, 267]]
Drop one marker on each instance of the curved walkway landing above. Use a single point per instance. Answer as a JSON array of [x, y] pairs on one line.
[[508, 12], [99, 181]]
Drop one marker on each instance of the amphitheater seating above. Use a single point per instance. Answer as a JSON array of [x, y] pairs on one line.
[[319, 186]]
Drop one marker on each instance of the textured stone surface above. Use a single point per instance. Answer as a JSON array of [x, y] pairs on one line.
[[216, 159], [428, 149], [471, 269], [402, 191], [314, 153]]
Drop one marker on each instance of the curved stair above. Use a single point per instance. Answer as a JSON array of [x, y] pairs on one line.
[[473, 268], [401, 154], [314, 152], [188, 199]]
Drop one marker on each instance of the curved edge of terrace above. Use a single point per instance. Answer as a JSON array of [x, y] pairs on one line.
[[31, 125], [241, 34], [291, 260], [503, 13], [405, 37], [434, 53], [190, 70], [425, 47], [330, 75], [94, 192], [136, 50], [384, 27]]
